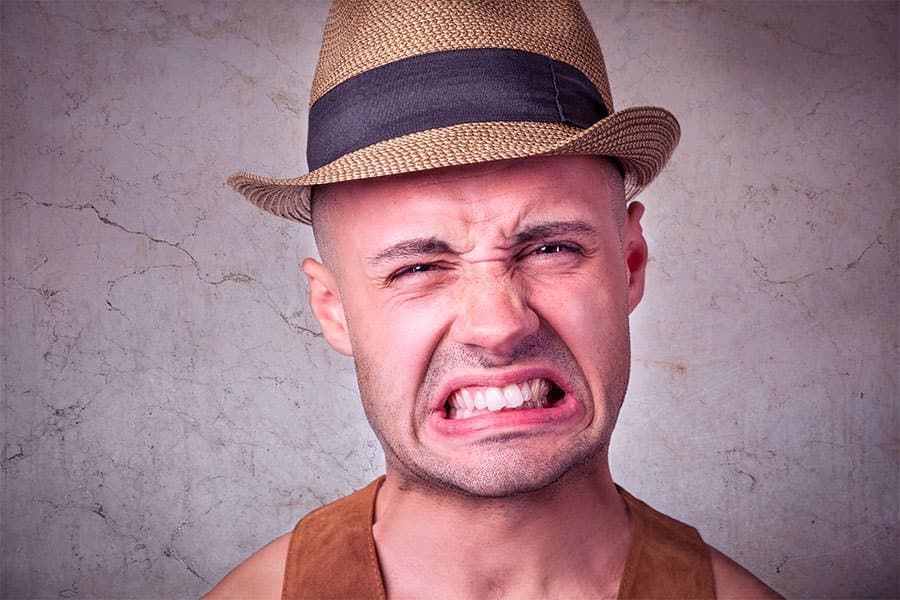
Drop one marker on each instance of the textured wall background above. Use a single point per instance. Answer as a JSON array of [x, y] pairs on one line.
[[168, 406]]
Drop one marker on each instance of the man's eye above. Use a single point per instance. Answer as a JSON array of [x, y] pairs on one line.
[[555, 249], [417, 269], [411, 270]]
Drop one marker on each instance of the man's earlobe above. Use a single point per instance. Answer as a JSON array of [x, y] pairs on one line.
[[327, 307], [636, 254]]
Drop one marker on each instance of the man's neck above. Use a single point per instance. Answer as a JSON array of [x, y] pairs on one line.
[[567, 540]]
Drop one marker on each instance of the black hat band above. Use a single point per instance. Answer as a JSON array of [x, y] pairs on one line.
[[448, 88]]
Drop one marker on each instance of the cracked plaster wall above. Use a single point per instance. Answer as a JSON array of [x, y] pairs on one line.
[[168, 405]]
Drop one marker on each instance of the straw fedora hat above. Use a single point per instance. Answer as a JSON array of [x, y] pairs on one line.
[[410, 85]]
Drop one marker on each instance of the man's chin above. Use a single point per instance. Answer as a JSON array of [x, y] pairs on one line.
[[500, 478], [499, 488]]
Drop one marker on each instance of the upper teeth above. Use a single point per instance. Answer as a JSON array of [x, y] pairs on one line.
[[467, 401]]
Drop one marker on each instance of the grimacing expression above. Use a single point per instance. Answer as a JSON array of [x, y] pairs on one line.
[[486, 308]]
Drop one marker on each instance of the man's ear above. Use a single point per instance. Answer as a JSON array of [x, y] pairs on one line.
[[327, 307], [636, 254]]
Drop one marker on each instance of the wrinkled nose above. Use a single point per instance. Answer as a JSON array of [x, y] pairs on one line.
[[493, 314]]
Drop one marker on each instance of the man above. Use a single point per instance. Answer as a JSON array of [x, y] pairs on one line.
[[479, 262]]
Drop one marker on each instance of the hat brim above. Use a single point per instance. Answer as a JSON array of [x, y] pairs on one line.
[[641, 138]]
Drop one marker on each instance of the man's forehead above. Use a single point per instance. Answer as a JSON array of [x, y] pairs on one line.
[[492, 203], [548, 176]]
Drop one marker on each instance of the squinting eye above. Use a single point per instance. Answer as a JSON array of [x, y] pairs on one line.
[[551, 249], [554, 249], [417, 269], [411, 270]]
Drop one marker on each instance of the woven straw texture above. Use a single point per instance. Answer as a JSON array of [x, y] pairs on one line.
[[363, 34], [360, 36]]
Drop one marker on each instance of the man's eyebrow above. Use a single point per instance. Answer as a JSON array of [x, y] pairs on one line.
[[554, 229], [410, 249]]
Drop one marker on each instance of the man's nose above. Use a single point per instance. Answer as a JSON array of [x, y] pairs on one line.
[[493, 313]]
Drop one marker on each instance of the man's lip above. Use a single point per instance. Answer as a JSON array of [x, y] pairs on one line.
[[495, 379]]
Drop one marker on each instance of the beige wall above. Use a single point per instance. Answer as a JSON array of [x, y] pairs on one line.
[[168, 406]]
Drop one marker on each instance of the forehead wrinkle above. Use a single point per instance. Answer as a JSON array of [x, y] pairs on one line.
[[458, 211]]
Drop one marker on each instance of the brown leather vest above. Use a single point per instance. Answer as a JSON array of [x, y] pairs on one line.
[[332, 554]]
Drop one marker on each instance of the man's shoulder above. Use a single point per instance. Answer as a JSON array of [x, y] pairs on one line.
[[328, 529], [260, 576], [734, 581], [669, 542]]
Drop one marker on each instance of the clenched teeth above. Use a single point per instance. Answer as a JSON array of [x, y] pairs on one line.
[[476, 400]]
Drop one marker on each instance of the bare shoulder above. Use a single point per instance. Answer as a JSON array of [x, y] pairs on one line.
[[260, 576], [734, 581]]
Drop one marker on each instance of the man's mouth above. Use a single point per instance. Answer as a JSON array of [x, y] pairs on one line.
[[471, 401]]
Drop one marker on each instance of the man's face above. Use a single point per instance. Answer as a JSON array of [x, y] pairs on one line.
[[486, 308]]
